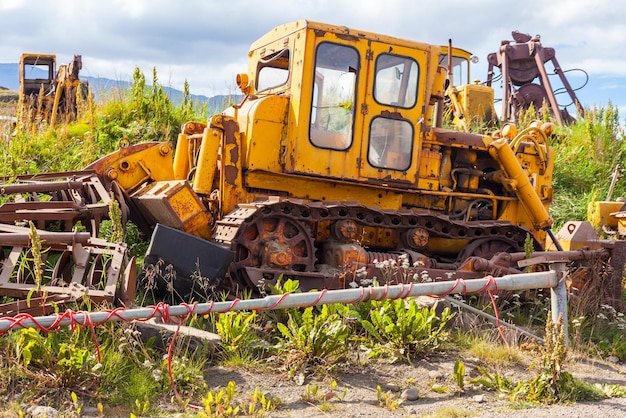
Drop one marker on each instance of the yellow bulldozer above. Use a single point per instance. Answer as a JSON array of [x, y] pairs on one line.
[[334, 161], [48, 94], [467, 102]]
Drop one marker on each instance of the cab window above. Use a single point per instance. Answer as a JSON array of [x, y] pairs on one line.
[[273, 70], [390, 143], [460, 69], [395, 83], [334, 89]]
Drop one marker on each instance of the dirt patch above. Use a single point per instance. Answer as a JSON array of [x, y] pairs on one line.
[[356, 392]]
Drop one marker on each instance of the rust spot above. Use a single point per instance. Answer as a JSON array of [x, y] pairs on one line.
[[234, 154], [230, 174], [190, 128], [346, 37], [230, 130], [391, 115]]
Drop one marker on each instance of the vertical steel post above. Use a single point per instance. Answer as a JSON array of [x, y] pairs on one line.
[[558, 297]]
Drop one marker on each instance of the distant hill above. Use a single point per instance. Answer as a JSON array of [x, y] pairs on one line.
[[9, 79]]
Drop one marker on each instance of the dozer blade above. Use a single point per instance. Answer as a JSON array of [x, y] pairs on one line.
[[65, 267], [190, 267]]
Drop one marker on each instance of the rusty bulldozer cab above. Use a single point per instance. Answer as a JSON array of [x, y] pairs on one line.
[[32, 65], [53, 95], [335, 160]]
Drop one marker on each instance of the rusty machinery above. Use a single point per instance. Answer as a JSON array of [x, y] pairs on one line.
[[522, 63], [71, 264], [334, 161], [467, 103], [609, 215], [54, 95]]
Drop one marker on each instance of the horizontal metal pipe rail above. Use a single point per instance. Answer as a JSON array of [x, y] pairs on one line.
[[537, 280]]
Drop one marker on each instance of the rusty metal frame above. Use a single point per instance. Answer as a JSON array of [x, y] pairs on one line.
[[522, 61], [76, 266], [67, 197]]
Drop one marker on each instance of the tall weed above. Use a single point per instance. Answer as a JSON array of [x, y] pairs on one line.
[[145, 113], [237, 332], [586, 154]]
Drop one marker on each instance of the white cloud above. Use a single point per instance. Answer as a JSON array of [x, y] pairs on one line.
[[11, 4], [206, 41]]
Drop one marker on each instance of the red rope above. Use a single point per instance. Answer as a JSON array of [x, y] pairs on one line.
[[275, 305], [160, 309], [456, 284], [408, 291], [499, 325], [163, 310], [360, 297], [386, 292], [322, 293], [233, 304], [92, 327], [490, 282]]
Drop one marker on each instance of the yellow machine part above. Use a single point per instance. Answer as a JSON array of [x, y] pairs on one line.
[[576, 235], [262, 123], [519, 183], [174, 204], [621, 223], [133, 165], [476, 103], [599, 213]]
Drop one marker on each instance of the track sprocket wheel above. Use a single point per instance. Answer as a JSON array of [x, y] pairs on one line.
[[488, 247], [275, 242]]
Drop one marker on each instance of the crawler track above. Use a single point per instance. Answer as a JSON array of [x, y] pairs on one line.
[[291, 238]]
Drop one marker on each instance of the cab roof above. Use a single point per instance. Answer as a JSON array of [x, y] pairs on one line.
[[287, 29]]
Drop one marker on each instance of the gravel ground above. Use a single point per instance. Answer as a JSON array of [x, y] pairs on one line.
[[425, 388], [360, 388], [356, 395]]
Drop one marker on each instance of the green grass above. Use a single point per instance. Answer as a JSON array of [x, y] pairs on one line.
[[494, 353], [586, 154]]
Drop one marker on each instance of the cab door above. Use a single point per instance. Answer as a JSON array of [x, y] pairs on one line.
[[392, 113], [325, 140]]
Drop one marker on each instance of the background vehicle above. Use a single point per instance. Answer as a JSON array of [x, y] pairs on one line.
[[53, 95], [522, 63], [468, 102]]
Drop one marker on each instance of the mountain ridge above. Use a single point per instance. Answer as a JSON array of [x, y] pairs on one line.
[[9, 79]]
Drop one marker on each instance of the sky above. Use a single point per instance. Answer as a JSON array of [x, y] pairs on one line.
[[206, 41]]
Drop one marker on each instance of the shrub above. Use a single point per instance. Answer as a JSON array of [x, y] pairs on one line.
[[402, 329], [313, 338]]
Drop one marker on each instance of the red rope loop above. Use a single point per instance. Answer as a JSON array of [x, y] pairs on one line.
[[161, 309], [408, 291], [499, 325], [491, 281], [385, 293], [448, 292], [360, 297], [275, 305], [233, 304], [319, 298]]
